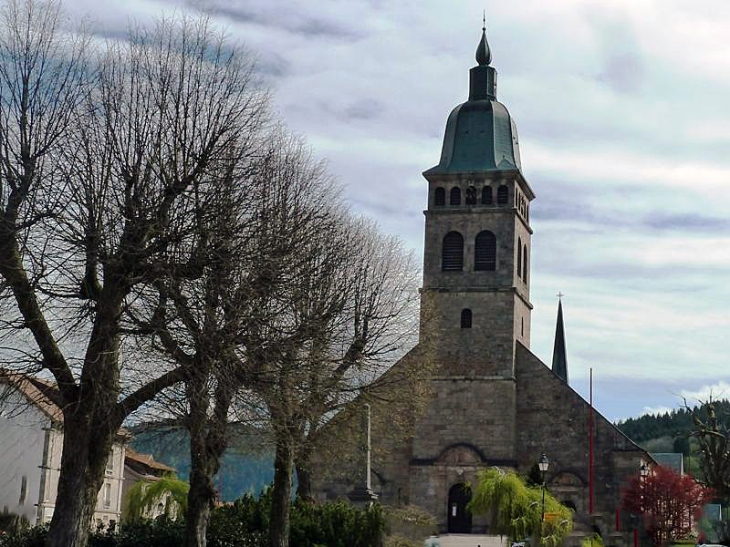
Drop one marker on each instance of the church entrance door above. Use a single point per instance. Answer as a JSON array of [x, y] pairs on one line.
[[459, 521]]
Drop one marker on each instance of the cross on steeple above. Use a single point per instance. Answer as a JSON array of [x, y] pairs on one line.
[[560, 295]]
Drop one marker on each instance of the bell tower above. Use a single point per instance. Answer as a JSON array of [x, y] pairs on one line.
[[476, 271]]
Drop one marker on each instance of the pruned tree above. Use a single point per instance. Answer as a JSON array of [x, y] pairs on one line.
[[669, 503], [267, 213], [350, 353], [344, 307], [106, 168]]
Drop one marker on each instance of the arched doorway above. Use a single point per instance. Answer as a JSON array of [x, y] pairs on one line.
[[459, 521]]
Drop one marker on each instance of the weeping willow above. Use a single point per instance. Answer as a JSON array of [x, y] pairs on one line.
[[168, 490], [515, 509]]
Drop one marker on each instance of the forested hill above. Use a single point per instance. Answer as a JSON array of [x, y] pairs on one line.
[[675, 424]]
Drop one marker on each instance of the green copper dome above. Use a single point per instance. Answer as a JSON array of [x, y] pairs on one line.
[[480, 134]]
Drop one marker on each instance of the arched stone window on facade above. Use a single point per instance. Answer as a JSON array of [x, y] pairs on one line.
[[452, 252], [471, 196], [439, 197], [502, 195], [466, 319], [524, 263], [519, 257], [455, 197], [487, 195], [485, 251]]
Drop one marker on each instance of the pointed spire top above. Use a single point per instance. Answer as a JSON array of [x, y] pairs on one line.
[[560, 358], [484, 54]]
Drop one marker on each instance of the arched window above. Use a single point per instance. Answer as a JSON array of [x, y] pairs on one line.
[[485, 252], [519, 257], [452, 252], [487, 195], [502, 195], [524, 263], [455, 198], [471, 196], [466, 319], [439, 197]]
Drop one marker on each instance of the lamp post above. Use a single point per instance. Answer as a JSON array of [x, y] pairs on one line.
[[543, 465]]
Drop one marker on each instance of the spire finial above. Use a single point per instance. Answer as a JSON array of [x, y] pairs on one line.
[[560, 295], [484, 54]]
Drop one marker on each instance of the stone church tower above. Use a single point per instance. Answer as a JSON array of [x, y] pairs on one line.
[[491, 402]]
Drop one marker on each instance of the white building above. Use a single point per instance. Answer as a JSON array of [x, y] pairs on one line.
[[31, 439]]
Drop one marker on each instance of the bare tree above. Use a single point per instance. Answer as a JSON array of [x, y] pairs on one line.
[[264, 217], [345, 307], [713, 437], [106, 169], [348, 357]]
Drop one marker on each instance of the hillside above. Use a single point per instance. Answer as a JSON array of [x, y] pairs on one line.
[[247, 466], [668, 432]]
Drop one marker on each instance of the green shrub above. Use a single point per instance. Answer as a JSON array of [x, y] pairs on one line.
[[336, 524], [400, 541], [29, 537], [241, 524], [592, 541]]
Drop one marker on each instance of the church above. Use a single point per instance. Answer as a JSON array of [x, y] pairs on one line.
[[490, 401]]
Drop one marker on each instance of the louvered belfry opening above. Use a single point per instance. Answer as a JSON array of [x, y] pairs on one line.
[[455, 197], [485, 251], [471, 196], [452, 253], [487, 195], [502, 195], [439, 197]]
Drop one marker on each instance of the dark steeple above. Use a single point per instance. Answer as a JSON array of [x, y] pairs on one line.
[[560, 358]]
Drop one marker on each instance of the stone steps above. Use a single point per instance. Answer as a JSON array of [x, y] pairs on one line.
[[471, 540]]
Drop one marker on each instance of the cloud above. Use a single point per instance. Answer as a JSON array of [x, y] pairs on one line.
[[364, 109], [691, 222], [656, 410], [718, 390]]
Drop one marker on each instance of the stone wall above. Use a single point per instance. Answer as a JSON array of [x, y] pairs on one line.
[[553, 418]]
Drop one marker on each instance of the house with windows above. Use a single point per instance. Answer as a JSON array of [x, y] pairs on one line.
[[31, 430], [143, 468]]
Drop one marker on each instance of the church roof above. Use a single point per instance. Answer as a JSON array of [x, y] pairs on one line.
[[480, 134]]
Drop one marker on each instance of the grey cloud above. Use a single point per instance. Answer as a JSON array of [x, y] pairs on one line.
[[309, 26], [623, 72], [364, 109], [686, 222], [319, 27], [273, 65]]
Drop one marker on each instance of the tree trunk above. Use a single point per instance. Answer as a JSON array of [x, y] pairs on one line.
[[83, 462], [208, 441], [200, 496], [281, 494], [90, 424], [303, 462]]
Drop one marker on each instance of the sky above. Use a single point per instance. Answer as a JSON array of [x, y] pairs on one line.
[[623, 112]]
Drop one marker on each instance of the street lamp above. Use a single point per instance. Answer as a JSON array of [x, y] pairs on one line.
[[643, 470], [543, 465]]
